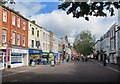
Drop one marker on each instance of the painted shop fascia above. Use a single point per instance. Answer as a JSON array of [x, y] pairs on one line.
[[18, 57], [34, 53]]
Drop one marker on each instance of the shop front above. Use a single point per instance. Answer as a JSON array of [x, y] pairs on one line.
[[18, 58], [56, 57], [2, 61], [34, 54], [4, 56], [45, 56]]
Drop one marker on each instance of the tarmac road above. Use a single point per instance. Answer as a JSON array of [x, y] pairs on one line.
[[65, 72]]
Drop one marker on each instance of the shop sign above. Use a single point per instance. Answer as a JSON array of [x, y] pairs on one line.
[[34, 51], [19, 51], [16, 54], [55, 54], [45, 53]]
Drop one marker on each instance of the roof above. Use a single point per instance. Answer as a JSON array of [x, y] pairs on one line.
[[16, 12]]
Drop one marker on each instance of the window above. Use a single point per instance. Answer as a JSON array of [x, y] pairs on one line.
[[18, 39], [4, 15], [13, 19], [24, 25], [43, 46], [23, 40], [13, 37], [112, 44], [4, 36], [44, 36], [37, 44], [32, 31], [46, 47], [16, 58], [37, 33], [18, 22], [32, 43]]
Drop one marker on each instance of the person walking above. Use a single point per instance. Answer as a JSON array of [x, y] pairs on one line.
[[104, 59]]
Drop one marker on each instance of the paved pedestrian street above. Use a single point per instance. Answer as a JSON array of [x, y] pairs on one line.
[[76, 71]]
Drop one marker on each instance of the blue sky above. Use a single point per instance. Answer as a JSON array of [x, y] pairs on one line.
[[50, 6], [47, 15]]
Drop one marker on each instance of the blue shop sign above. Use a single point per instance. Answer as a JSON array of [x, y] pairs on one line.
[[16, 54], [55, 54], [34, 51]]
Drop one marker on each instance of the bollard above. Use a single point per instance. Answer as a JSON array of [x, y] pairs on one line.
[[33, 64]]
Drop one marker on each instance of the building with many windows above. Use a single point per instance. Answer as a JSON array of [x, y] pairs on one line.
[[110, 43], [45, 42], [34, 40], [13, 38]]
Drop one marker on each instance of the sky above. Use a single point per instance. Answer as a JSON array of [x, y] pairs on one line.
[[46, 14]]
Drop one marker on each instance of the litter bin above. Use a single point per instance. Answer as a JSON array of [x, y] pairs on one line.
[[33, 64], [52, 63], [118, 61]]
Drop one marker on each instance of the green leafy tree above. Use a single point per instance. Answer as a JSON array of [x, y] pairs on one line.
[[84, 43], [2, 2], [91, 8]]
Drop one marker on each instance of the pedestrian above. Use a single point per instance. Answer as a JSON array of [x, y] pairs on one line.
[[38, 61], [105, 58], [31, 61], [83, 58]]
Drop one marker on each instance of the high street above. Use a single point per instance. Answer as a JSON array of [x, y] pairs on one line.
[[76, 71]]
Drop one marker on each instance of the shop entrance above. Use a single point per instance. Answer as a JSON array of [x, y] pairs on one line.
[[2, 60]]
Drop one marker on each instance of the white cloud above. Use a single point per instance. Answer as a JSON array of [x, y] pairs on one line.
[[27, 9], [62, 24]]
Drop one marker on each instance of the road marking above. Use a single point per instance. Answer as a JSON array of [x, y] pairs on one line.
[[109, 67], [14, 81], [112, 69], [15, 73]]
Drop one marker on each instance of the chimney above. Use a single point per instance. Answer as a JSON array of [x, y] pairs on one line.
[[33, 21]]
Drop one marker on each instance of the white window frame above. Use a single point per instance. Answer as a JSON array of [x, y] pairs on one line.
[[18, 24], [4, 33], [24, 25], [4, 15], [23, 40], [13, 19], [18, 39], [13, 37]]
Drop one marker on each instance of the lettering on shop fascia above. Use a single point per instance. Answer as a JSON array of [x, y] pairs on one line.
[[19, 50], [36, 51]]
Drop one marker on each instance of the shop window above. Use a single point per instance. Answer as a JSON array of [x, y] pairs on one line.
[[16, 59], [4, 15], [13, 37], [18, 23], [13, 19], [4, 36]]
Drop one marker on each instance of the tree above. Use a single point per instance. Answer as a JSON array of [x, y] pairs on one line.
[[2, 2], [86, 9], [84, 43]]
